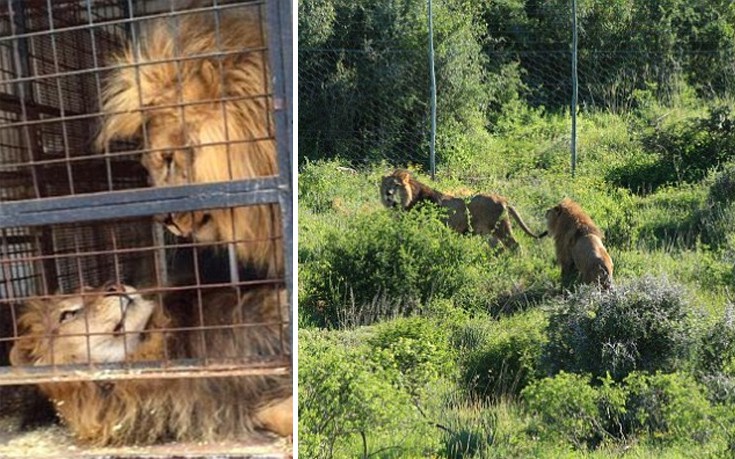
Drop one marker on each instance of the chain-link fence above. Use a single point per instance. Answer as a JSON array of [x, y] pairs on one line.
[[364, 69], [361, 113]]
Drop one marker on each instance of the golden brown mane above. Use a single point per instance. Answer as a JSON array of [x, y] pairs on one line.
[[205, 119], [154, 410], [578, 244]]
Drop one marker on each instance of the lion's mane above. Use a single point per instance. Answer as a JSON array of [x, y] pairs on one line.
[[400, 190], [144, 411], [578, 243], [197, 90]]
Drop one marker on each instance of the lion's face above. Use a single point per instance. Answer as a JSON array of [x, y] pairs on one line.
[[197, 225], [171, 161], [395, 192], [96, 327]]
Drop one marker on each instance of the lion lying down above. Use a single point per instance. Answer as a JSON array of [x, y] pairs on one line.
[[487, 211], [117, 324]]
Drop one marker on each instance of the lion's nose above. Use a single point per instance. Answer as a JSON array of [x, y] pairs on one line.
[[113, 288], [165, 219]]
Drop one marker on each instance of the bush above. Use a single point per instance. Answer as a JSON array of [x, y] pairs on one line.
[[717, 219], [684, 151], [417, 348], [389, 263], [667, 407], [503, 357], [566, 408], [344, 399], [716, 362], [662, 407], [718, 346], [693, 214], [722, 190], [643, 325]]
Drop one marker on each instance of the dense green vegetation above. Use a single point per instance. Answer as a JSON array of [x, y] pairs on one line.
[[363, 67], [415, 341]]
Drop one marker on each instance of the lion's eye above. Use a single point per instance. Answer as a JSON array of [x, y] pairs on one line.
[[68, 315]]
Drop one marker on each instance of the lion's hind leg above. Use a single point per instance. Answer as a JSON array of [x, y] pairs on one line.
[[597, 273], [593, 262], [503, 231]]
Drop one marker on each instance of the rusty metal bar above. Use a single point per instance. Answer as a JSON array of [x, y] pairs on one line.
[[190, 368]]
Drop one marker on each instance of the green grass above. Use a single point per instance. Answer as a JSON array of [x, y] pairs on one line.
[[472, 310]]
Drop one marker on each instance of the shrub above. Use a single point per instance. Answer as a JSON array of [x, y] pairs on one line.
[[501, 358], [720, 388], [565, 406], [668, 407], [392, 262], [663, 407], [716, 362], [344, 398], [718, 345], [643, 325], [416, 347], [685, 151], [611, 407], [716, 220], [722, 190]]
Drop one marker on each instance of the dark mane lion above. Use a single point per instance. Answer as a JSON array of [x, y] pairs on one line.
[[487, 212]]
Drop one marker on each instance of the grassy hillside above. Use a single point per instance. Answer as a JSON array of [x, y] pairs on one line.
[[418, 342]]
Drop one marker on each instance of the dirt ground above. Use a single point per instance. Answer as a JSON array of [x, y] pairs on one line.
[[27, 430]]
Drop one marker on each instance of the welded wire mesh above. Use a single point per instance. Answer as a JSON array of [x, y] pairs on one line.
[[366, 104], [78, 215]]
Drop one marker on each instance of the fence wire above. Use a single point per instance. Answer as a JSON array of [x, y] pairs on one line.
[[364, 71]]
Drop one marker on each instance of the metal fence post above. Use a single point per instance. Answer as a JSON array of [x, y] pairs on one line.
[[574, 87], [432, 145]]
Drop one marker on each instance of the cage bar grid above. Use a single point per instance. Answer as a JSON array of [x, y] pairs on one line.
[[61, 203]]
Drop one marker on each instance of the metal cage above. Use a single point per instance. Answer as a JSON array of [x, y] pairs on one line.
[[75, 214]]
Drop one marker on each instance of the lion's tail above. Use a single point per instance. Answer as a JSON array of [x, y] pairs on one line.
[[522, 224]]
